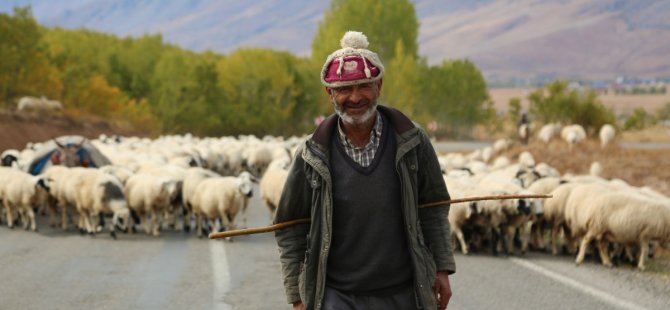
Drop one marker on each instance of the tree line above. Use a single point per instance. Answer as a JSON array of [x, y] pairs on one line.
[[159, 87]]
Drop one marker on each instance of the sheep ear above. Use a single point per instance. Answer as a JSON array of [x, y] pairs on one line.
[[43, 183]]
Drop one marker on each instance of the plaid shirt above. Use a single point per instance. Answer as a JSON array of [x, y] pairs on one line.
[[366, 154]]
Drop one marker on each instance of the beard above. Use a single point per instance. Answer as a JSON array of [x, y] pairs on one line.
[[350, 119]]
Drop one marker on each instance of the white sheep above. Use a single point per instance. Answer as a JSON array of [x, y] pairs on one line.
[[526, 159], [548, 132], [573, 134], [625, 217], [39, 104], [501, 145], [192, 179], [272, 183], [596, 169], [150, 196], [546, 170], [221, 198], [11, 158], [607, 134], [554, 214], [20, 193], [100, 194]]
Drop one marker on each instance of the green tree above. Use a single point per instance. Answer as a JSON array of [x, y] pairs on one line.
[[383, 22], [24, 66], [556, 103], [455, 93], [402, 85]]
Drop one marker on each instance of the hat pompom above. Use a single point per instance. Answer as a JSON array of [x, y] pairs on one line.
[[354, 39]]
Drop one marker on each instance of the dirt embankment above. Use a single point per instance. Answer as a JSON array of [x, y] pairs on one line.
[[638, 167], [18, 129]]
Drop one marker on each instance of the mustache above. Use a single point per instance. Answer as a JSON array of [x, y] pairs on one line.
[[350, 103]]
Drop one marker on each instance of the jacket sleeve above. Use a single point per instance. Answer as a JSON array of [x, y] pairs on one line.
[[294, 204], [434, 220]]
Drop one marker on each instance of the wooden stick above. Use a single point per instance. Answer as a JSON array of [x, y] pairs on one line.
[[271, 228]]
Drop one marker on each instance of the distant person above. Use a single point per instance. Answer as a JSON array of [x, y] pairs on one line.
[[360, 178], [524, 128]]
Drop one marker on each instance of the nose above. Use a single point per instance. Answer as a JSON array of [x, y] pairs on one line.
[[355, 96]]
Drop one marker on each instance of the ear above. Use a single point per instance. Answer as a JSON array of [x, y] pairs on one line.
[[58, 143], [328, 91], [379, 85]]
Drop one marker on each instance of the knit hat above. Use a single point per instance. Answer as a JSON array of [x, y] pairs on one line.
[[352, 64]]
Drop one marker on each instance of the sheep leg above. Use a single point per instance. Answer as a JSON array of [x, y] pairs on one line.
[[31, 217], [505, 244], [10, 215], [582, 249], [554, 238], [644, 251], [154, 224], [461, 239], [63, 215], [510, 232], [604, 255], [494, 241], [198, 224], [525, 232]]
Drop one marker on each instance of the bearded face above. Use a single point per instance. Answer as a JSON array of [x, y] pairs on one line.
[[355, 104]]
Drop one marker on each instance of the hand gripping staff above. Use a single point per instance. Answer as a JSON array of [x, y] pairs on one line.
[[251, 231]]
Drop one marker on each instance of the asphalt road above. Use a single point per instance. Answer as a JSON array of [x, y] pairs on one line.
[[52, 269]]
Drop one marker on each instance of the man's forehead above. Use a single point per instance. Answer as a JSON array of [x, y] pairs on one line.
[[366, 84]]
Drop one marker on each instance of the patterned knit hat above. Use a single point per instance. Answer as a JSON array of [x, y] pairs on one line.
[[352, 64]]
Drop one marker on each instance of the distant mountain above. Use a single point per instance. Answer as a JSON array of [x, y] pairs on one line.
[[521, 38]]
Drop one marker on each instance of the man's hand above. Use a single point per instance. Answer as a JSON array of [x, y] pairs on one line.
[[298, 305], [442, 290]]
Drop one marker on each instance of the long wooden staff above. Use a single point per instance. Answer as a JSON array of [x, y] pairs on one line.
[[251, 231]]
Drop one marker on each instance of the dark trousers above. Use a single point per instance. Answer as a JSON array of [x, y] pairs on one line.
[[336, 300]]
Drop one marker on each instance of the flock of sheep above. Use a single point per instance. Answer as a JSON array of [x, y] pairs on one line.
[[165, 182], [175, 181], [612, 214]]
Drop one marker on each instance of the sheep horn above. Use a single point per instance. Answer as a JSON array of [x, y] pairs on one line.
[[251, 231]]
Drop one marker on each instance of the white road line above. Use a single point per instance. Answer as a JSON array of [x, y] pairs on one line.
[[221, 274], [604, 296]]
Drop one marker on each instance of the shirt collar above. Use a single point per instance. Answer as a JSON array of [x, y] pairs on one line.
[[375, 133]]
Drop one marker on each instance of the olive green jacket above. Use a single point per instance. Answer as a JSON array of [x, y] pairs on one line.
[[308, 194]]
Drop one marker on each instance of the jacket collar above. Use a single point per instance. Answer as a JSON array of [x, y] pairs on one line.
[[399, 122]]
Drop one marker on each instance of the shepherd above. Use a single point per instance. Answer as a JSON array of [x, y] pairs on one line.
[[360, 178]]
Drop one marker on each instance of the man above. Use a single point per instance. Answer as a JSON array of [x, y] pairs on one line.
[[360, 178]]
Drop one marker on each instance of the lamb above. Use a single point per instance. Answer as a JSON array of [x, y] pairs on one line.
[[501, 145], [548, 132], [150, 196], [101, 193], [573, 134], [10, 158], [596, 169], [272, 183], [20, 193], [258, 158], [221, 198], [607, 134], [554, 213], [192, 179], [625, 217], [526, 159], [39, 104], [63, 191], [546, 171]]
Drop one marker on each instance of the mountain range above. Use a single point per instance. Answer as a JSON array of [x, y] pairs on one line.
[[579, 39]]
